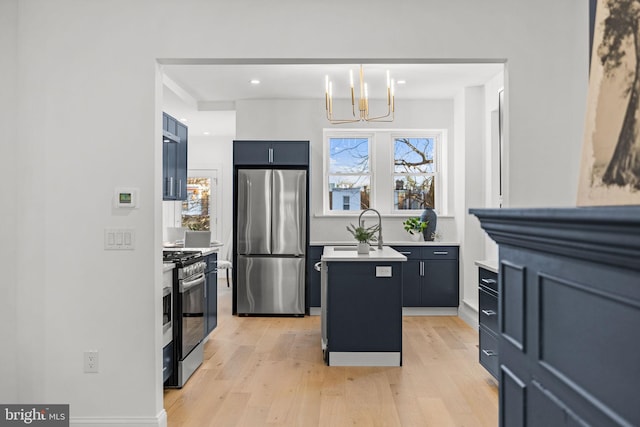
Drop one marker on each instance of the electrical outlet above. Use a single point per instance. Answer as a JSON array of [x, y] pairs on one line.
[[91, 362]]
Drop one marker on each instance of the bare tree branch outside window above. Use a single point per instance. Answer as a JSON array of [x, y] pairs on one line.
[[414, 168]]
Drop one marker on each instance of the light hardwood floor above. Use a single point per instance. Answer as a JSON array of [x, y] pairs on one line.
[[261, 371]]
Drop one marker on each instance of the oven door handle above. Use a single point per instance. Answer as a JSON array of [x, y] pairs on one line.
[[192, 283]]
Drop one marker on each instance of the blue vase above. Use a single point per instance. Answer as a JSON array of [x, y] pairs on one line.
[[429, 215]]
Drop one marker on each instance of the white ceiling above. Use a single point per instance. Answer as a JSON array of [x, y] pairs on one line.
[[203, 95]]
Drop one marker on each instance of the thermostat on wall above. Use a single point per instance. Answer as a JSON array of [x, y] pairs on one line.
[[126, 198]]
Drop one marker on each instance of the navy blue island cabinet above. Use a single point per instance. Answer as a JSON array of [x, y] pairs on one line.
[[362, 312], [568, 315]]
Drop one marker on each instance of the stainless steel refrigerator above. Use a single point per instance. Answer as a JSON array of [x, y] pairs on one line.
[[271, 241]]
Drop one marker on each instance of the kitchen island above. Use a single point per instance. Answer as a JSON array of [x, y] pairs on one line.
[[361, 306]]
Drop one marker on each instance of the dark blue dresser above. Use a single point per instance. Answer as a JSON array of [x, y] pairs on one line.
[[568, 315]]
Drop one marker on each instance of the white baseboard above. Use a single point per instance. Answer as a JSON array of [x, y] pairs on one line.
[[158, 421], [364, 358], [411, 311], [469, 314]]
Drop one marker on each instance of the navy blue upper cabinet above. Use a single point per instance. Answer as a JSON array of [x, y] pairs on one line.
[[174, 159], [276, 153]]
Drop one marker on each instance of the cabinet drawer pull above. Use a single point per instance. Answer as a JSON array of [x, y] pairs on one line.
[[405, 253], [489, 312], [441, 252], [490, 353], [317, 266], [489, 281]]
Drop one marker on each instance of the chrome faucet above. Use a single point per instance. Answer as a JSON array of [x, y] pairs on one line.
[[379, 224]]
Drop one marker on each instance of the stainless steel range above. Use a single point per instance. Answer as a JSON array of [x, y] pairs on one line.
[[188, 320]]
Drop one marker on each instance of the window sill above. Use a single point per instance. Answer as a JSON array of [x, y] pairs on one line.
[[355, 214]]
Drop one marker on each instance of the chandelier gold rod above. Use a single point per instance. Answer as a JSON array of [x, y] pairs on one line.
[[363, 102]]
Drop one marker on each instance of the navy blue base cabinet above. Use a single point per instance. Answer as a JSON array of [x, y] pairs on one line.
[[430, 276], [568, 315], [313, 276], [488, 320], [211, 293]]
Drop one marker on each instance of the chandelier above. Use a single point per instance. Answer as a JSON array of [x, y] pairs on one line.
[[363, 102]]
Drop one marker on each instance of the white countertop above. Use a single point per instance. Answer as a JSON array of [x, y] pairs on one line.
[[205, 251], [385, 254], [392, 243], [491, 265]]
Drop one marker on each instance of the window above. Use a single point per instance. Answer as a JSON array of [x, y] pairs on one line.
[[199, 211], [414, 173], [195, 210], [349, 174], [398, 172], [345, 203]]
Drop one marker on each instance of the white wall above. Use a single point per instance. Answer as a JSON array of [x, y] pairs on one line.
[[473, 180], [9, 185], [88, 121], [305, 120], [492, 155], [216, 152]]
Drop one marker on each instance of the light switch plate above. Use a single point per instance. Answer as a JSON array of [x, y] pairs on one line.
[[119, 238], [383, 271]]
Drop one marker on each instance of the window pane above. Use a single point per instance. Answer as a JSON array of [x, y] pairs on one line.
[[349, 192], [195, 210], [413, 192], [414, 155], [348, 155]]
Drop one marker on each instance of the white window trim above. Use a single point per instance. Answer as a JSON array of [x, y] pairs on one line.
[[345, 133], [383, 183], [439, 176]]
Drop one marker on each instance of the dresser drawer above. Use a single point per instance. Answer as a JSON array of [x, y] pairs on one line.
[[489, 351], [488, 313], [440, 252], [488, 279]]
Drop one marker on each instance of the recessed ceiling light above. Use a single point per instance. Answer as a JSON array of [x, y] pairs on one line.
[[183, 120], [255, 81], [206, 133], [401, 82]]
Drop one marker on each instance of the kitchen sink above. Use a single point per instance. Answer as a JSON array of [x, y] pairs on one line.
[[350, 248]]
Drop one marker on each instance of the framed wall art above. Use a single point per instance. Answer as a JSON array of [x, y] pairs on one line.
[[610, 165]]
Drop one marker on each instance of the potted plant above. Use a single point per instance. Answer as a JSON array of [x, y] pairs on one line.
[[363, 235], [415, 227]]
